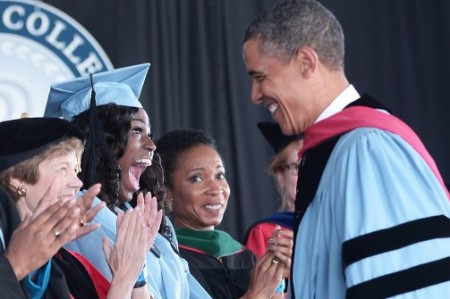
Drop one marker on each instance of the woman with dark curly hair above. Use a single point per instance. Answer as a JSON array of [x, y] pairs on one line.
[[106, 160], [119, 149]]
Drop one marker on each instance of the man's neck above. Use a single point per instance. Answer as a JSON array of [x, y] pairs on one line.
[[334, 85]]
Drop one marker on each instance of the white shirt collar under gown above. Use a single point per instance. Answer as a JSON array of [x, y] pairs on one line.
[[168, 275], [340, 102]]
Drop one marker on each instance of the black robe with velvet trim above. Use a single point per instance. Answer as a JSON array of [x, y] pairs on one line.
[[227, 277]]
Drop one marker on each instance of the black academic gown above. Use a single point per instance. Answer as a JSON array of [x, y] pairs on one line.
[[9, 220], [227, 277]]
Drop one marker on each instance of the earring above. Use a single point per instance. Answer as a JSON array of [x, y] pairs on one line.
[[21, 191]]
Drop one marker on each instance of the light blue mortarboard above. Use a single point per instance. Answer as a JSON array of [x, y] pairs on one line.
[[121, 86]]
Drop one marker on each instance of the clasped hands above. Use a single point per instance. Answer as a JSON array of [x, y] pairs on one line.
[[273, 266]]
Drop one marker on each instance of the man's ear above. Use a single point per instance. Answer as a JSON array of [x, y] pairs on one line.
[[308, 60]]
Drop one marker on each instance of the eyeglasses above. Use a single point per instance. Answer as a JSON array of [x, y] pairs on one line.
[[292, 168]]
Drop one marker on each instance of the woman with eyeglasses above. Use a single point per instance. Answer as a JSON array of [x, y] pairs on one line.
[[284, 169]]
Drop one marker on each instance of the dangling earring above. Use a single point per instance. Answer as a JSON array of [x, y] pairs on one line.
[[21, 191]]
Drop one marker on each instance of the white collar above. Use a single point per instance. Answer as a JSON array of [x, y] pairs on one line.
[[348, 95]]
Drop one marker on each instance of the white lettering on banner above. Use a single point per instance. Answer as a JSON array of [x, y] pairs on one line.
[[37, 24], [40, 45]]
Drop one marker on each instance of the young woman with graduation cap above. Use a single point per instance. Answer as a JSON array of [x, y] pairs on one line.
[[119, 148], [39, 157]]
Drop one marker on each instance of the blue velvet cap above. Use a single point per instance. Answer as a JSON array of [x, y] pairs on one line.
[[121, 86]]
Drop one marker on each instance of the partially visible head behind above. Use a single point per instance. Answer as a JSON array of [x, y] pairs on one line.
[[292, 24], [284, 164], [34, 152], [286, 156], [119, 144], [195, 178], [284, 169], [273, 135]]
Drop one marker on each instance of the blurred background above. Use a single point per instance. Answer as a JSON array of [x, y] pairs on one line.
[[397, 51]]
